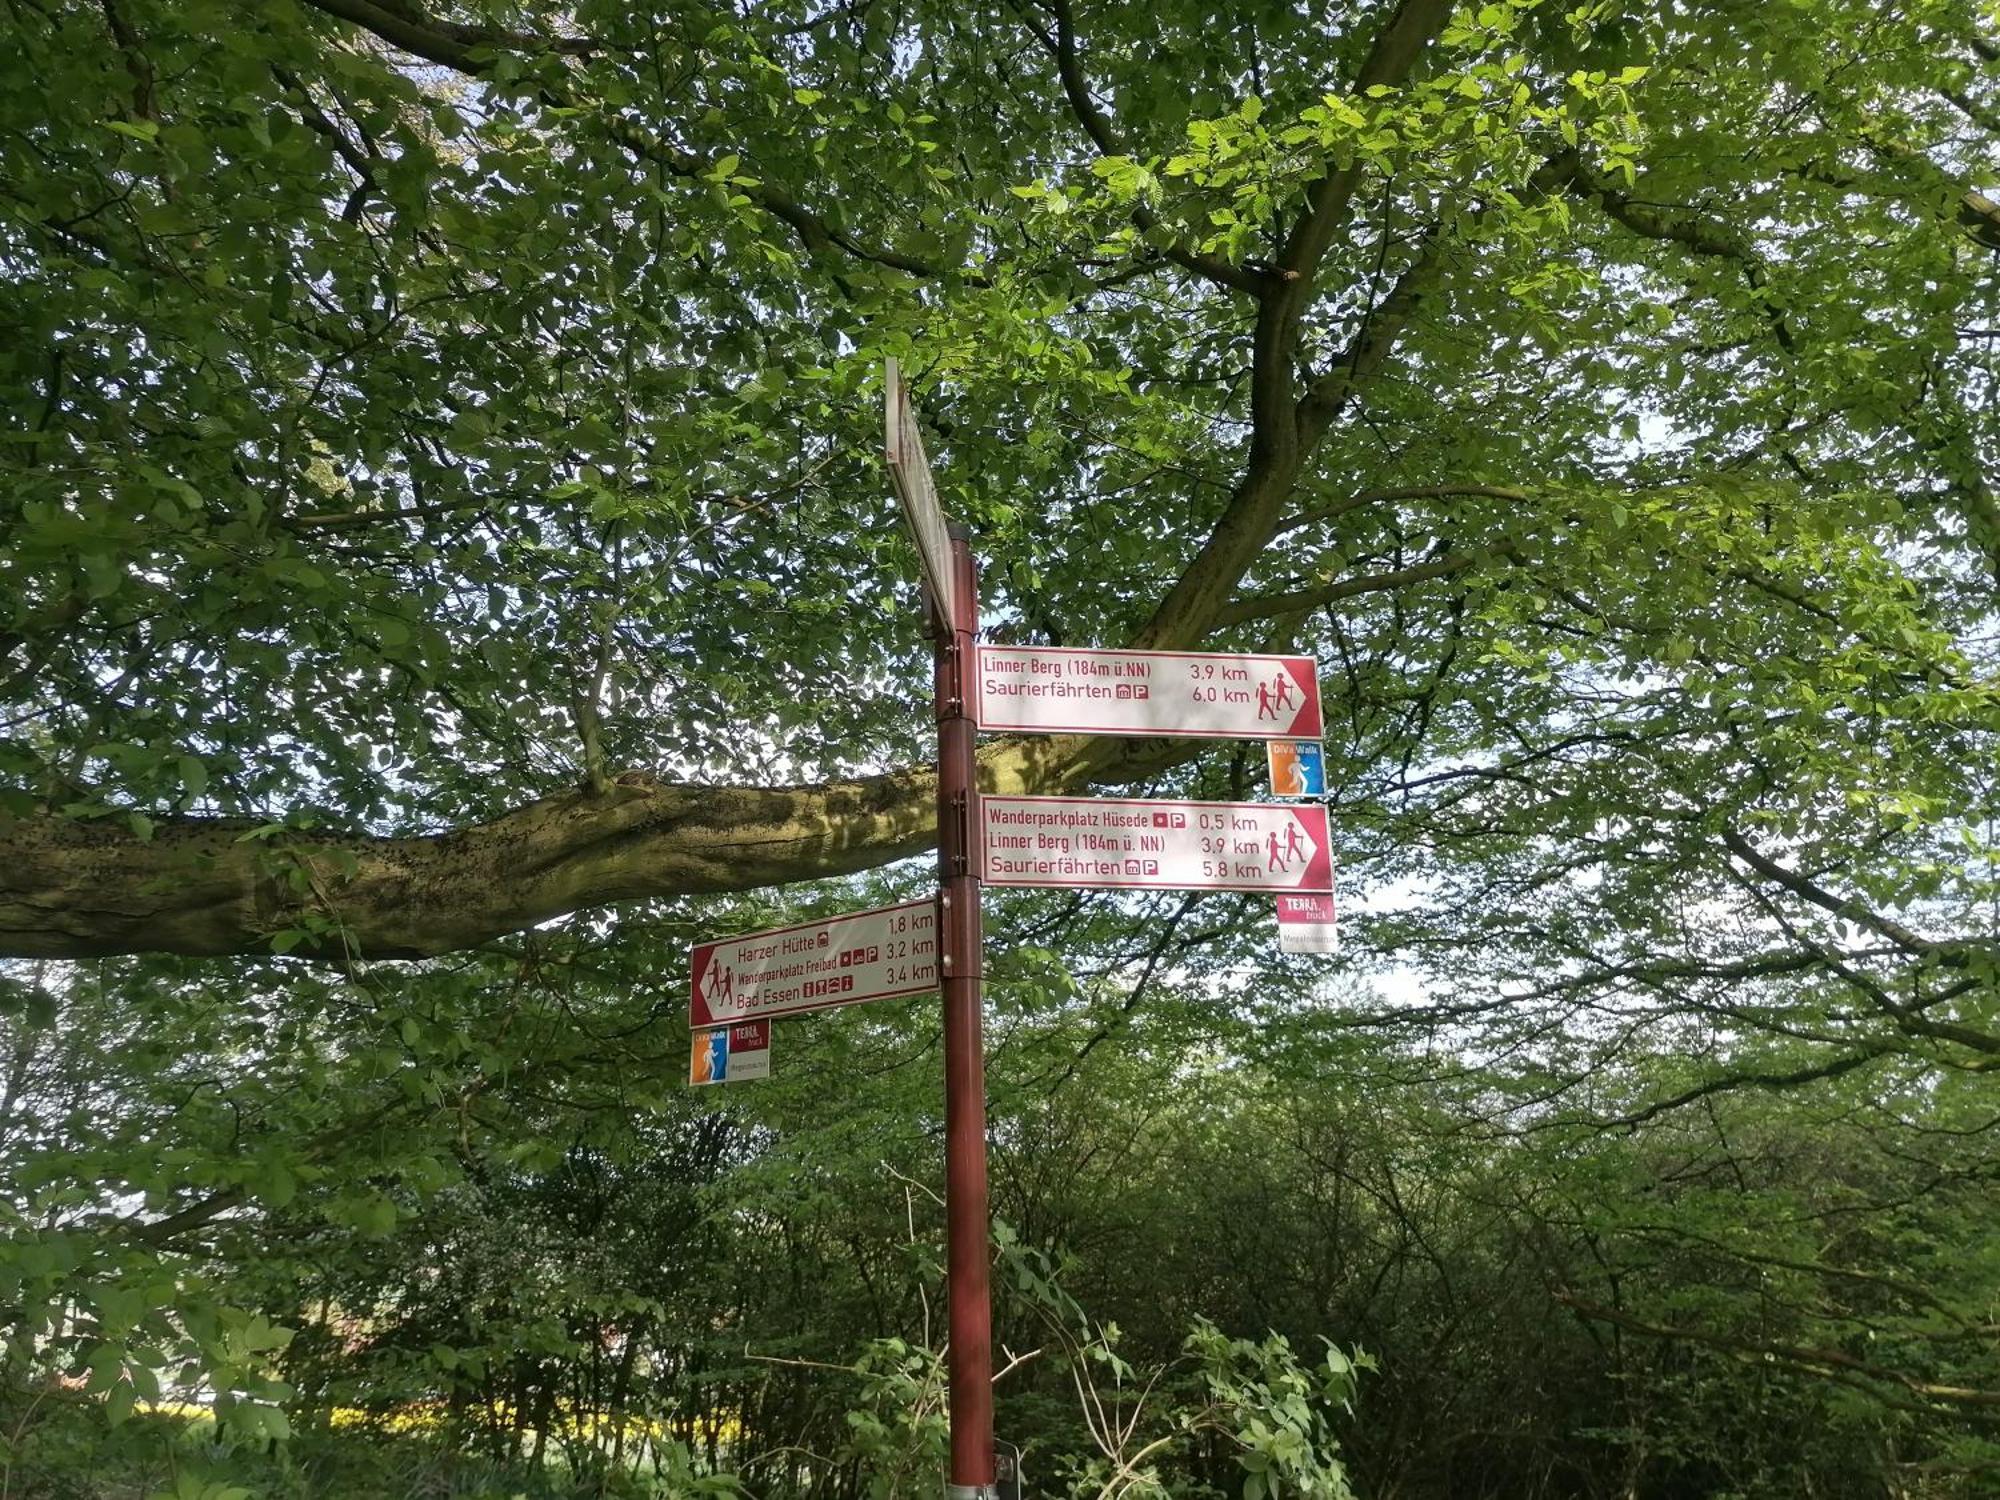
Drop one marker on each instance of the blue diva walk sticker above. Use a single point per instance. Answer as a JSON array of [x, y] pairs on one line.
[[1298, 768]]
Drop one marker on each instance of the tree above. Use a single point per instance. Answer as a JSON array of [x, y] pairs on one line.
[[438, 477], [443, 523]]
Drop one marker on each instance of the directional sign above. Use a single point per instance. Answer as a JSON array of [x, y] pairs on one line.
[[1298, 768], [1059, 690], [1306, 925], [1177, 846], [869, 955], [910, 473], [731, 1054]]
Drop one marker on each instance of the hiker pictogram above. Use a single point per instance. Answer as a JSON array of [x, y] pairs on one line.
[[1278, 860], [719, 991]]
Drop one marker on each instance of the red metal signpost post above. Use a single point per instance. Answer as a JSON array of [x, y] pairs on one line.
[[971, 1475], [952, 587]]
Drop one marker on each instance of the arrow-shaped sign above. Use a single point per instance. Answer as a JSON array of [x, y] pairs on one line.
[[865, 955], [910, 473], [1208, 694], [1102, 842]]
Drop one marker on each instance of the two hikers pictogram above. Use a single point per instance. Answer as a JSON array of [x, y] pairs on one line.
[[718, 990], [1274, 698], [1280, 856]]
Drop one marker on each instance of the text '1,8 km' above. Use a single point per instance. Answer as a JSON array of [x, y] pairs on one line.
[[866, 955], [1198, 694]]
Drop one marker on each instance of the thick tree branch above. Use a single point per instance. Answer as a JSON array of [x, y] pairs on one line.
[[1283, 428], [1280, 442], [1263, 606], [1397, 47], [444, 42], [1979, 216], [1329, 395], [136, 62], [211, 886], [813, 230], [1772, 1082], [1096, 125], [1692, 231], [351, 520], [1708, 238], [203, 1211], [1847, 909], [71, 889], [1365, 498]]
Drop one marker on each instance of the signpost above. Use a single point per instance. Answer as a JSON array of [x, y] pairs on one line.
[[867, 955], [1099, 842], [736, 985], [952, 584], [1061, 841], [1210, 695]]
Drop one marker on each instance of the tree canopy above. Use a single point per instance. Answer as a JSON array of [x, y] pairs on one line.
[[446, 443], [448, 563]]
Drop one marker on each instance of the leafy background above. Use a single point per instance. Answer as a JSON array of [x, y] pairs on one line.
[[407, 416]]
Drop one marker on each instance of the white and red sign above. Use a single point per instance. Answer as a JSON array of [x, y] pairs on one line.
[[1306, 925], [1151, 845], [867, 955], [1059, 690], [731, 1054], [910, 473]]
